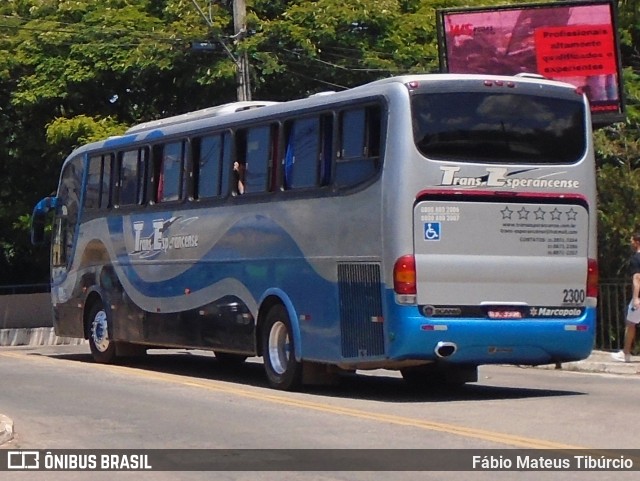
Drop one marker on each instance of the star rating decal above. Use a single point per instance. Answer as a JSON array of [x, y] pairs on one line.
[[570, 215], [555, 214], [523, 214], [506, 213]]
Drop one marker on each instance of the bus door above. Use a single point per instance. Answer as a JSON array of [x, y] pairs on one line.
[[501, 257]]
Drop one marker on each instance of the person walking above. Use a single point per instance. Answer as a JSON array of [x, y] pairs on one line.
[[633, 310]]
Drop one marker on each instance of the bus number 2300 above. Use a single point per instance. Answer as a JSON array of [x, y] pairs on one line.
[[573, 296]]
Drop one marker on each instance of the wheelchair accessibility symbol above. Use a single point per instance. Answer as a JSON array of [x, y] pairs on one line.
[[432, 231]]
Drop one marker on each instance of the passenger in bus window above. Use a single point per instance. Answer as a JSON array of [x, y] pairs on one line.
[[160, 188], [238, 175]]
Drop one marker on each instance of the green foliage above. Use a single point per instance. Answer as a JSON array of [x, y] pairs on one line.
[[618, 144], [336, 44], [73, 71], [66, 134], [619, 216]]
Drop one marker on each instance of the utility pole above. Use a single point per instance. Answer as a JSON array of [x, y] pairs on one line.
[[241, 60]]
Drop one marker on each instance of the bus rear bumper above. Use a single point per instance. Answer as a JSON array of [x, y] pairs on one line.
[[483, 341]]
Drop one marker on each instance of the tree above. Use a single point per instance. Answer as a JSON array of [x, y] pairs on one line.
[[308, 47], [618, 156], [74, 71]]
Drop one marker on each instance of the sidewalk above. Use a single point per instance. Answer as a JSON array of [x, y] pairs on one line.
[[597, 362], [600, 362]]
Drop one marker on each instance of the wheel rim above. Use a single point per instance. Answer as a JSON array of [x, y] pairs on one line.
[[99, 331], [279, 347]]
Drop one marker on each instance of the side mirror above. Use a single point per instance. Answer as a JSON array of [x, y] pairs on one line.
[[38, 222], [39, 218]]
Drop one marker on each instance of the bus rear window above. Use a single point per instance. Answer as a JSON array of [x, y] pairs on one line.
[[498, 128]]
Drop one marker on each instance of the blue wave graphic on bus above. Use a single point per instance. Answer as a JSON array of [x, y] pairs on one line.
[[251, 238]]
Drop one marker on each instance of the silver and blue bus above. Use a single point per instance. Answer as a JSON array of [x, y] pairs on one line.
[[423, 223]]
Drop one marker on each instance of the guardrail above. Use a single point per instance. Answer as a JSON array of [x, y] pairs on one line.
[[24, 289], [613, 298]]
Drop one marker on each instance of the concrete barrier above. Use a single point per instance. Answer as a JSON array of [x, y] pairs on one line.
[[35, 336], [27, 320], [26, 310]]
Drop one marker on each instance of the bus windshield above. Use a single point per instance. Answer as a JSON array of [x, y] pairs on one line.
[[498, 128]]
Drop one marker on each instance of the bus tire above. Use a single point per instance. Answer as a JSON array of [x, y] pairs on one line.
[[282, 369], [103, 348]]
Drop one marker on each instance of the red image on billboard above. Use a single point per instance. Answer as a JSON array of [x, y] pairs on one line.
[[573, 42]]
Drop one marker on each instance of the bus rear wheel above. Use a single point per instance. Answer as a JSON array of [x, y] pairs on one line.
[[282, 369], [103, 348]]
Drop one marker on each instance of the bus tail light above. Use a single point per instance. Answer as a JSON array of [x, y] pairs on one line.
[[404, 276], [592, 278]]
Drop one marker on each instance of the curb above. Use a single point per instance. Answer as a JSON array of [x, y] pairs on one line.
[[6, 429], [599, 362]]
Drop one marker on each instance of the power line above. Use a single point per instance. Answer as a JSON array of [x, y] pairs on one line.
[[334, 65], [316, 79]]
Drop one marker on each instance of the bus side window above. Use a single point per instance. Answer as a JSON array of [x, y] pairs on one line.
[[106, 197], [98, 193], [170, 177], [94, 183], [211, 153], [302, 154], [132, 177], [326, 149], [359, 151], [256, 166], [143, 168], [352, 134], [156, 182]]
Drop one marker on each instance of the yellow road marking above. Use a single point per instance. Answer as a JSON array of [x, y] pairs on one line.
[[221, 387]]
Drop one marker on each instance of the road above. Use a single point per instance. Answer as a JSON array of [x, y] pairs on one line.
[[59, 399]]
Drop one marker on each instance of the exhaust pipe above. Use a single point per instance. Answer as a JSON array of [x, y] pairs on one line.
[[445, 349]]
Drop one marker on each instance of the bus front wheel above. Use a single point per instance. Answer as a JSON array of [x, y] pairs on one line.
[[282, 369], [103, 349]]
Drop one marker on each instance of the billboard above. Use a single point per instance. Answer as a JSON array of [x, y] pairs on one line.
[[573, 42]]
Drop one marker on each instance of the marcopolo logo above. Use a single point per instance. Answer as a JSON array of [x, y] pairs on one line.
[[555, 312]]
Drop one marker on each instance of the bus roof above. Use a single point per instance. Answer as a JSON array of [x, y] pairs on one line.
[[133, 134], [199, 114]]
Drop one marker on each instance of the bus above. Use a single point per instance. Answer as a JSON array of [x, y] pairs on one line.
[[427, 224]]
